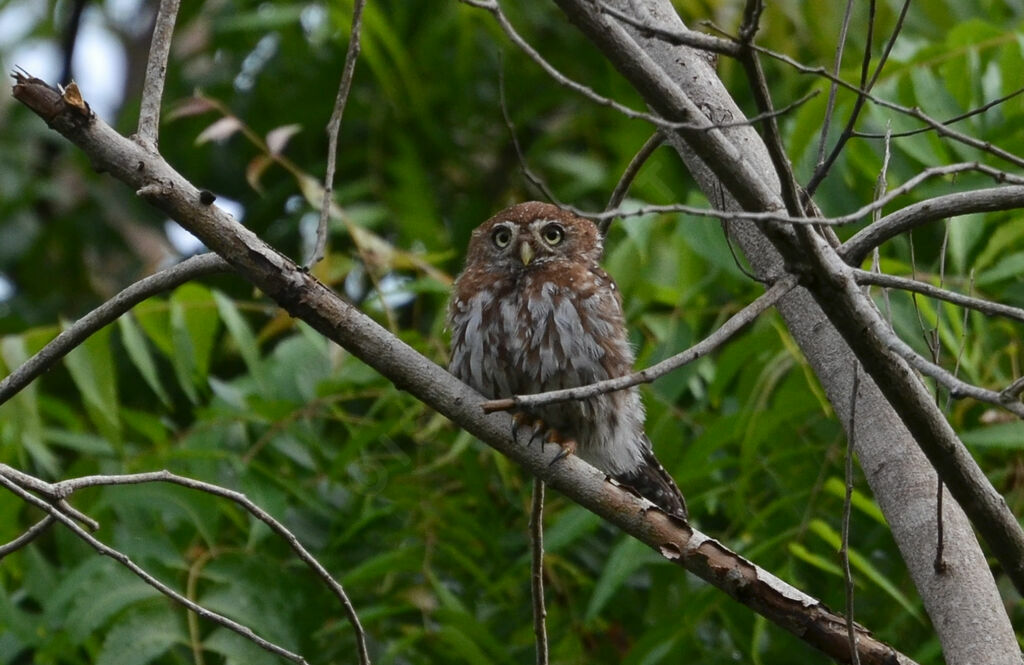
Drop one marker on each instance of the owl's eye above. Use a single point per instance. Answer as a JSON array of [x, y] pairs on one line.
[[501, 237], [553, 234]]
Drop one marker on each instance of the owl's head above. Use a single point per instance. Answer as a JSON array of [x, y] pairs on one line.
[[533, 235]]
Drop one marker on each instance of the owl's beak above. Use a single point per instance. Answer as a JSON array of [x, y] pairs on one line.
[[526, 253]]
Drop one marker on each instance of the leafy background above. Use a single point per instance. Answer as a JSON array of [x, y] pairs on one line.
[[424, 526]]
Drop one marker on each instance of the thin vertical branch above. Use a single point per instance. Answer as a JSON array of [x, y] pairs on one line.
[[333, 128], [844, 551], [748, 57], [156, 73], [540, 613], [632, 169], [862, 96], [532, 177], [834, 87]]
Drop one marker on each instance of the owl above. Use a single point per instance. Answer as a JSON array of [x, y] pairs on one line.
[[533, 311]]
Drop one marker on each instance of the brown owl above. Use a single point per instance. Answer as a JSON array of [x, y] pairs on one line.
[[533, 311]]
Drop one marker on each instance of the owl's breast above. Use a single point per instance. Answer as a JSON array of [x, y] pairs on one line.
[[535, 333]]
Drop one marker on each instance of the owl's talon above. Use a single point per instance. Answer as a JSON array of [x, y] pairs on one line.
[[538, 429], [536, 426], [568, 448]]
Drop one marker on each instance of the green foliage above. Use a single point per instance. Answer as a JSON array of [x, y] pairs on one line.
[[425, 527]]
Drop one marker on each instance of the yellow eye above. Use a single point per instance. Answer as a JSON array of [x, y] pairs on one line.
[[552, 234], [501, 237]]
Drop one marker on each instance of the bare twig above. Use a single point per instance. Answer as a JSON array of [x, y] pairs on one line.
[[957, 388], [844, 550], [698, 40], [1013, 390], [195, 636], [65, 488], [189, 269], [333, 127], [949, 121], [732, 326], [156, 72], [938, 126], [841, 220], [696, 121], [540, 613], [30, 534], [762, 96], [125, 560], [632, 169], [856, 249], [823, 167], [833, 86], [524, 166], [924, 288]]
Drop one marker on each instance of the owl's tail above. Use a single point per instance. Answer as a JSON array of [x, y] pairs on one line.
[[653, 482]]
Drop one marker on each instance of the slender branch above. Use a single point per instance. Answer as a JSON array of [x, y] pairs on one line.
[[125, 560], [857, 248], [334, 127], [653, 142], [30, 534], [844, 550], [866, 277], [841, 220], [309, 299], [822, 169], [937, 125], [698, 40], [1013, 390], [957, 388], [763, 98], [726, 331], [698, 123], [66, 487], [156, 73], [540, 613], [524, 166], [189, 269], [833, 87], [949, 121]]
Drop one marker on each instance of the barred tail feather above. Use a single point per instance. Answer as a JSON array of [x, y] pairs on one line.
[[653, 482]]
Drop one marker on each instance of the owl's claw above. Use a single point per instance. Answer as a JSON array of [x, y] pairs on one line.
[[568, 448], [521, 419]]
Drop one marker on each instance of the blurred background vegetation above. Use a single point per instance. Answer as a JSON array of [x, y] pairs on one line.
[[424, 526]]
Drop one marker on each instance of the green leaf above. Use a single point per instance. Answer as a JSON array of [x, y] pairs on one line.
[[238, 650], [858, 499], [816, 560], [860, 564], [20, 421], [1011, 266], [91, 365], [138, 351], [243, 336], [569, 526], [141, 637], [1002, 435], [628, 556], [194, 326], [154, 317]]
